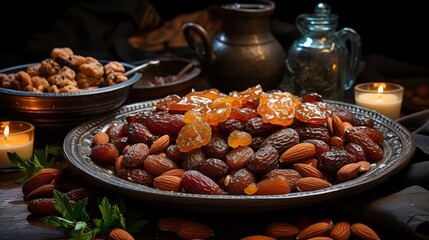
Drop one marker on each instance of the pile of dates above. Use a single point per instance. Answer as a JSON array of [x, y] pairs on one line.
[[242, 143]]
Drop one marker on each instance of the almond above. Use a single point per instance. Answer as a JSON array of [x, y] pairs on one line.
[[311, 183], [169, 224], [120, 234], [363, 231], [281, 230], [100, 138], [273, 186], [298, 152], [44, 176], [257, 237], [307, 170], [44, 191], [193, 230], [340, 231], [318, 229], [168, 183], [348, 171], [336, 142], [338, 126], [178, 172], [160, 144], [365, 166]]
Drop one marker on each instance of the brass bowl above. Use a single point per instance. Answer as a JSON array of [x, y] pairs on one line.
[[142, 90], [54, 114]]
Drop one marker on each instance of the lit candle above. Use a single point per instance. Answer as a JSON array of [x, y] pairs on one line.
[[18, 137], [385, 98]]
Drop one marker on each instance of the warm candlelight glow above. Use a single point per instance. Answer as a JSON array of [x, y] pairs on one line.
[[6, 133], [18, 138], [385, 98], [379, 91]]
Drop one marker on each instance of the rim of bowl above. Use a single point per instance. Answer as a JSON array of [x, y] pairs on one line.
[[131, 81]]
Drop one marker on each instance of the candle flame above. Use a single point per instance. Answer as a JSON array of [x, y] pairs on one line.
[[6, 133], [380, 91]]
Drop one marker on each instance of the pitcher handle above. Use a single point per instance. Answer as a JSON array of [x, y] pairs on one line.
[[200, 55], [348, 34]]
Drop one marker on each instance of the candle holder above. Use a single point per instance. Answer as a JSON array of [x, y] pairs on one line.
[[385, 98], [18, 137]]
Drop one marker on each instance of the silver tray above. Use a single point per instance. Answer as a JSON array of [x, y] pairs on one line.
[[399, 147]]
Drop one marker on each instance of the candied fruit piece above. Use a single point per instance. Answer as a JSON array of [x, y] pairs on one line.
[[188, 102], [163, 103], [239, 138], [217, 113], [315, 113], [194, 135], [277, 108], [243, 114]]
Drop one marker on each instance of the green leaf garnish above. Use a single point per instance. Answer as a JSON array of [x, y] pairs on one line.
[[42, 158]]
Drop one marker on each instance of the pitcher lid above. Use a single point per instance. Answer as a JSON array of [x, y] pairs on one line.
[[321, 16]]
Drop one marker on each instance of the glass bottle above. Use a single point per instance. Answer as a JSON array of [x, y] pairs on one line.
[[323, 60]]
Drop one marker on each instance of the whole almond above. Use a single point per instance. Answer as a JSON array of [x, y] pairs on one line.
[[318, 229], [272, 186], [336, 142], [365, 166], [340, 231], [160, 144], [298, 152], [311, 183], [169, 224], [193, 230], [44, 191], [363, 231], [100, 138], [120, 234], [281, 230], [307, 170], [348, 171], [338, 126], [168, 183], [178, 172], [257, 237], [44, 176]]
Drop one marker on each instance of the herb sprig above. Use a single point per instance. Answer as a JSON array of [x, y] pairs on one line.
[[42, 158], [77, 223]]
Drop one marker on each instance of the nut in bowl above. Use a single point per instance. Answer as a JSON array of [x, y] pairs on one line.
[[170, 76], [53, 110]]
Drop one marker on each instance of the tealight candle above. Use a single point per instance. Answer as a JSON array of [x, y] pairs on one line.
[[18, 137], [385, 98]]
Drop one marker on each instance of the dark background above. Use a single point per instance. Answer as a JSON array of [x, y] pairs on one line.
[[396, 30]]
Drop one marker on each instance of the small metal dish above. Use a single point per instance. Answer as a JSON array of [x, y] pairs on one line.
[[54, 114], [143, 90]]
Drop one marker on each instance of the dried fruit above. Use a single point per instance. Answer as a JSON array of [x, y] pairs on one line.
[[120, 234], [272, 186], [281, 230], [196, 182], [363, 231], [193, 230]]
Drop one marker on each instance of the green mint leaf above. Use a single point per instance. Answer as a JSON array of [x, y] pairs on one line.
[[111, 216]]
